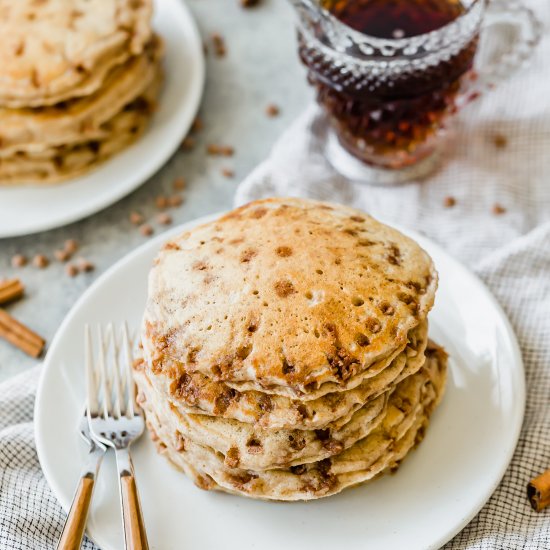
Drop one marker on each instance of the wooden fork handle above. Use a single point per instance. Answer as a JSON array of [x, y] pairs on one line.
[[134, 527], [75, 525]]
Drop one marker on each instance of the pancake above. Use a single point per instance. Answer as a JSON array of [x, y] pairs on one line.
[[59, 49], [302, 297], [255, 448], [78, 120], [65, 162], [197, 394], [401, 428]]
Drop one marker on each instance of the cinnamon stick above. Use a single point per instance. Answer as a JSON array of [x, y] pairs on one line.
[[10, 290], [538, 491], [20, 335]]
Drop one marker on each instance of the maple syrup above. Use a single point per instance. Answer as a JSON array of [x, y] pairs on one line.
[[391, 122]]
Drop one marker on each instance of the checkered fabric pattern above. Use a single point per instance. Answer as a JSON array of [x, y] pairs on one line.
[[30, 516]]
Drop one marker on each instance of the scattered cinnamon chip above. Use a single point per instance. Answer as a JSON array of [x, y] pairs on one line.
[[272, 110], [71, 270], [61, 255], [449, 202], [500, 141], [175, 201], [136, 218], [164, 218], [71, 246], [85, 265], [498, 209], [197, 125], [18, 260], [146, 230], [161, 202], [249, 3], [179, 184], [220, 150], [40, 261], [219, 45], [228, 173], [187, 144]]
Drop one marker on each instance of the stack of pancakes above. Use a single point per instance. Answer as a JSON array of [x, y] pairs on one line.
[[286, 352], [78, 82]]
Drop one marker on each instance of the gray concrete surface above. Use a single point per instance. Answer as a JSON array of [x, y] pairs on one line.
[[261, 67]]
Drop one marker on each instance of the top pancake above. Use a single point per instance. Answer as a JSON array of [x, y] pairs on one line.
[[287, 293], [50, 47]]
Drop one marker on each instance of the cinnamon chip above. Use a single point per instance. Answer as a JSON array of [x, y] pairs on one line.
[[249, 3], [146, 230], [228, 173], [498, 209], [71, 270], [164, 219], [136, 218], [500, 141], [61, 255], [179, 184], [18, 260], [85, 265], [187, 144], [219, 45], [197, 125], [71, 246], [272, 110], [449, 202], [175, 201], [40, 261], [220, 150], [161, 202]]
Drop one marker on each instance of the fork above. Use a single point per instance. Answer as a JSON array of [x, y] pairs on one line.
[[75, 524], [116, 421]]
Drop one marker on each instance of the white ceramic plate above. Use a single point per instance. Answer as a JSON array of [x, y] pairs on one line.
[[32, 208], [437, 491]]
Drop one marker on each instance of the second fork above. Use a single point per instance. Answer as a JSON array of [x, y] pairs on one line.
[[116, 421]]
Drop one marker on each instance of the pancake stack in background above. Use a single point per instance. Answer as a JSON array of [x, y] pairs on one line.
[[286, 352], [78, 83]]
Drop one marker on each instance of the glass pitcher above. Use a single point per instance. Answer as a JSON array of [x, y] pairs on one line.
[[391, 101]]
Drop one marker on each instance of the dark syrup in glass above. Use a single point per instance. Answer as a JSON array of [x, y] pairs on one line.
[[390, 123], [395, 18]]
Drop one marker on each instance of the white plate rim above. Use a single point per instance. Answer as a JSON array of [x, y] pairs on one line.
[[519, 389], [149, 167]]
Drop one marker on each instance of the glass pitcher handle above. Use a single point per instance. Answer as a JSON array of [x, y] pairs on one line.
[[528, 34]]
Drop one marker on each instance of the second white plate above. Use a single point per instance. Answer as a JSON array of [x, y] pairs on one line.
[[32, 208], [436, 492]]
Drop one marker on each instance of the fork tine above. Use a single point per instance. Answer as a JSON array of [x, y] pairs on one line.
[[115, 373], [103, 375], [92, 405], [128, 364]]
